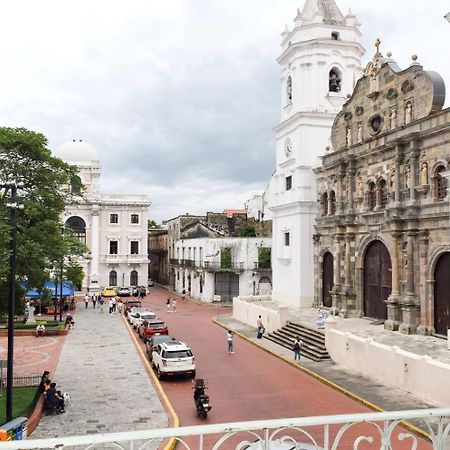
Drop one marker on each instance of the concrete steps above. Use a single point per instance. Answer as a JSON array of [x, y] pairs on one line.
[[313, 340]]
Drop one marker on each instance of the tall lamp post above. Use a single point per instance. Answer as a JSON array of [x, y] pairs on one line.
[[14, 207], [61, 285]]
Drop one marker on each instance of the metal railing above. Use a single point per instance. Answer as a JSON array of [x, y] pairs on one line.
[[24, 380], [384, 431]]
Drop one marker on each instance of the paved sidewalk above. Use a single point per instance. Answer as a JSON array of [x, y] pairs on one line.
[[109, 387]]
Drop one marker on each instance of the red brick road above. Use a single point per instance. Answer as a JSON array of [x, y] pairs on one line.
[[247, 385]]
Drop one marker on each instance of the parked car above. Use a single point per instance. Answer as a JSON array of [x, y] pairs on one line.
[[109, 292], [124, 291], [151, 283], [139, 317], [173, 358], [132, 303], [132, 312], [150, 327], [153, 342]]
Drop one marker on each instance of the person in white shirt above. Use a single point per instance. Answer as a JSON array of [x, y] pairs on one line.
[[230, 341]]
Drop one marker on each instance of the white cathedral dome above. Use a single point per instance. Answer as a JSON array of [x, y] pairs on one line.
[[77, 150]]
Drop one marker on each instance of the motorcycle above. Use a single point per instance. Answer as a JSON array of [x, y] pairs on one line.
[[200, 398]]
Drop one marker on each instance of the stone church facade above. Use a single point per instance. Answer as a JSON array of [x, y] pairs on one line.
[[382, 245]]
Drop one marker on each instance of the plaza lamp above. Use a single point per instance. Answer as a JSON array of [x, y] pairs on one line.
[[61, 281], [13, 186]]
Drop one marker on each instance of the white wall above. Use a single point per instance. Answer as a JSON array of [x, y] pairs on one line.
[[425, 377]]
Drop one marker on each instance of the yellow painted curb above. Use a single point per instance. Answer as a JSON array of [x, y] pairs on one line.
[[324, 380], [176, 421]]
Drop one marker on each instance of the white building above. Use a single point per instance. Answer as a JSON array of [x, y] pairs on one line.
[[203, 271], [114, 227], [320, 62]]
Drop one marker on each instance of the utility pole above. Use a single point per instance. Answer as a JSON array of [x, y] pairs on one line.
[[14, 207]]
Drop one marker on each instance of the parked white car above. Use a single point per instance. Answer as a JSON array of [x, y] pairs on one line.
[[133, 311], [139, 317], [173, 358]]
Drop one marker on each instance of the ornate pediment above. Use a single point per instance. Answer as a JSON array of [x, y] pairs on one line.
[[386, 98]]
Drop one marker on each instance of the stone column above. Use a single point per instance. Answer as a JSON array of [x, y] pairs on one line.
[[424, 327], [340, 199], [350, 185], [335, 292], [318, 272], [348, 302], [95, 245], [397, 175], [410, 308], [392, 304], [414, 172]]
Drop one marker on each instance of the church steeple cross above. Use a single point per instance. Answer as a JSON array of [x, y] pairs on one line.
[[377, 45]]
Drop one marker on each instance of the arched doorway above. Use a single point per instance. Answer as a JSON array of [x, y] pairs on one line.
[[133, 278], [377, 280], [264, 286], [327, 279], [442, 294], [113, 278]]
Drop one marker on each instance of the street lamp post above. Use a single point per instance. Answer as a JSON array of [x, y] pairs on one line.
[[61, 281], [14, 207]]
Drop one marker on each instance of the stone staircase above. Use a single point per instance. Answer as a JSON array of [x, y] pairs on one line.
[[313, 340]]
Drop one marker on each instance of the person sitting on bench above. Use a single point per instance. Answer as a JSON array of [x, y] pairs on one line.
[[53, 400], [40, 330]]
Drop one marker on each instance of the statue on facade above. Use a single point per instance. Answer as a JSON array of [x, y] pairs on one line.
[[349, 136], [359, 134], [424, 174], [359, 187], [393, 118], [392, 179], [408, 113], [407, 176]]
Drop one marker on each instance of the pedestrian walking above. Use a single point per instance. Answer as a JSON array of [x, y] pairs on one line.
[[174, 305], [101, 302], [260, 328], [114, 302], [110, 306], [183, 294], [94, 299], [297, 348], [230, 341], [86, 300], [168, 305]]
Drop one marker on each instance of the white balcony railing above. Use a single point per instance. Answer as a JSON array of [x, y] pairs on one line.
[[382, 431]]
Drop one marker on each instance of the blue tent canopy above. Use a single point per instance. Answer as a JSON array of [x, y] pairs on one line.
[[67, 290]]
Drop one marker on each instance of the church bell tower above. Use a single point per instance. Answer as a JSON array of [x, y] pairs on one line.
[[320, 62]]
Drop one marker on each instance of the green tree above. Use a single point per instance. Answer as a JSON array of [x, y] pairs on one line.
[[25, 158], [248, 231], [153, 224]]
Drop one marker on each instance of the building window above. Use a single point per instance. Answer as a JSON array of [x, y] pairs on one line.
[[334, 80], [372, 196], [335, 36], [134, 247], [440, 183], [287, 239], [134, 281], [114, 218], [113, 247], [332, 203], [289, 183], [134, 218], [225, 258], [382, 192], [78, 226], [324, 204], [113, 278], [289, 89]]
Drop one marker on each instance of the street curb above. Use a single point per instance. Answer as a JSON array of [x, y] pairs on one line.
[[173, 417], [323, 380]]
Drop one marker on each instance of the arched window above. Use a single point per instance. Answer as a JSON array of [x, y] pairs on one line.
[[78, 226], [324, 202], [113, 278], [440, 183], [372, 196], [332, 203], [382, 192], [134, 278], [334, 80], [289, 89]]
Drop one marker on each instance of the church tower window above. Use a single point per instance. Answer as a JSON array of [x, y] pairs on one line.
[[335, 36], [372, 196], [324, 204], [334, 80], [332, 203], [440, 183], [382, 192], [289, 89]]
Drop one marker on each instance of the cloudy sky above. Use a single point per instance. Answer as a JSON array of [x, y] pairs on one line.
[[178, 96]]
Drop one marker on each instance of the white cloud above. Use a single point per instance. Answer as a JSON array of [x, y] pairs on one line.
[[179, 97]]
